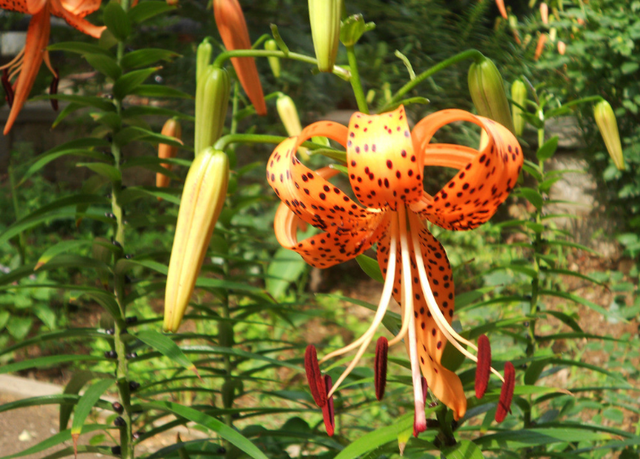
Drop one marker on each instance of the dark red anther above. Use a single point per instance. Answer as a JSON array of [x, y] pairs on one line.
[[314, 377], [327, 410], [506, 393], [483, 370], [8, 89], [380, 367], [53, 90]]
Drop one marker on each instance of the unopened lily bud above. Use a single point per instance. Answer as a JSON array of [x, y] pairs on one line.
[[352, 29], [203, 58], [513, 24], [171, 128], [324, 16], [488, 94], [519, 96], [274, 62], [544, 13], [204, 193], [553, 34], [289, 117], [173, 2], [501, 8], [212, 101], [562, 47], [235, 35], [608, 126], [542, 39]]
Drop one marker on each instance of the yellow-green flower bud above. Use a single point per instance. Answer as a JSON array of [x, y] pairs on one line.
[[353, 28], [519, 97], [324, 16], [608, 126], [488, 94], [203, 196], [274, 62], [212, 101], [289, 117], [203, 58]]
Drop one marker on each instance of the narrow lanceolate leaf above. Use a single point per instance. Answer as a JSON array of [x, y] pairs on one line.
[[146, 10], [61, 247], [147, 56], [154, 90], [106, 65], [46, 361], [80, 48], [106, 170], [226, 432], [166, 347], [86, 101], [129, 81], [376, 439], [133, 133], [548, 149], [117, 21], [73, 388], [464, 449], [84, 406], [284, 268], [371, 267]]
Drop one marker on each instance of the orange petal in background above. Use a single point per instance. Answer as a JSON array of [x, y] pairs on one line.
[[235, 35]]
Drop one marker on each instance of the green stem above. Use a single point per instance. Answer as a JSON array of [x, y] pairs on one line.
[[222, 57], [16, 210], [122, 371], [469, 54], [356, 84]]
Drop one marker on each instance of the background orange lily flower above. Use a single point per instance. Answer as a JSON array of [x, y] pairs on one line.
[[26, 65]]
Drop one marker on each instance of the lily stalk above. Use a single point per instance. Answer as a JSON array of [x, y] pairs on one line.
[[202, 200]]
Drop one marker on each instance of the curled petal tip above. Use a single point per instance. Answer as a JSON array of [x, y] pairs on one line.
[[314, 377], [506, 393], [328, 415], [380, 367], [483, 369]]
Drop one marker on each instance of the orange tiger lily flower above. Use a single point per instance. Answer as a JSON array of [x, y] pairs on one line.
[[25, 66], [235, 35], [386, 165]]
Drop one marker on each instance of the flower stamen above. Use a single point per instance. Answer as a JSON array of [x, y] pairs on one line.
[[365, 339], [380, 367], [447, 330], [314, 377]]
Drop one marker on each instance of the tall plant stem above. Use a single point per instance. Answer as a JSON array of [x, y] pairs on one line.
[[469, 54], [356, 84], [122, 371]]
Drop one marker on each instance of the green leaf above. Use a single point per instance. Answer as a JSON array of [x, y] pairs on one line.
[[370, 267], [104, 299], [69, 260], [133, 133], [86, 402], [583, 301], [146, 10], [464, 449], [285, 267], [392, 320], [145, 57], [522, 438], [531, 195], [548, 149], [226, 432], [18, 327], [78, 147], [377, 438], [56, 440], [106, 170], [106, 65], [565, 319], [79, 48], [86, 101], [60, 247], [117, 21], [534, 370], [166, 347], [148, 110], [156, 91], [56, 335], [46, 361], [129, 81], [73, 387], [64, 113]]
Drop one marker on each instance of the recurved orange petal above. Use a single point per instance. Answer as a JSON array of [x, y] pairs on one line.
[[76, 21], [383, 168], [14, 5], [444, 384], [37, 39], [81, 8], [35, 6], [474, 194]]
